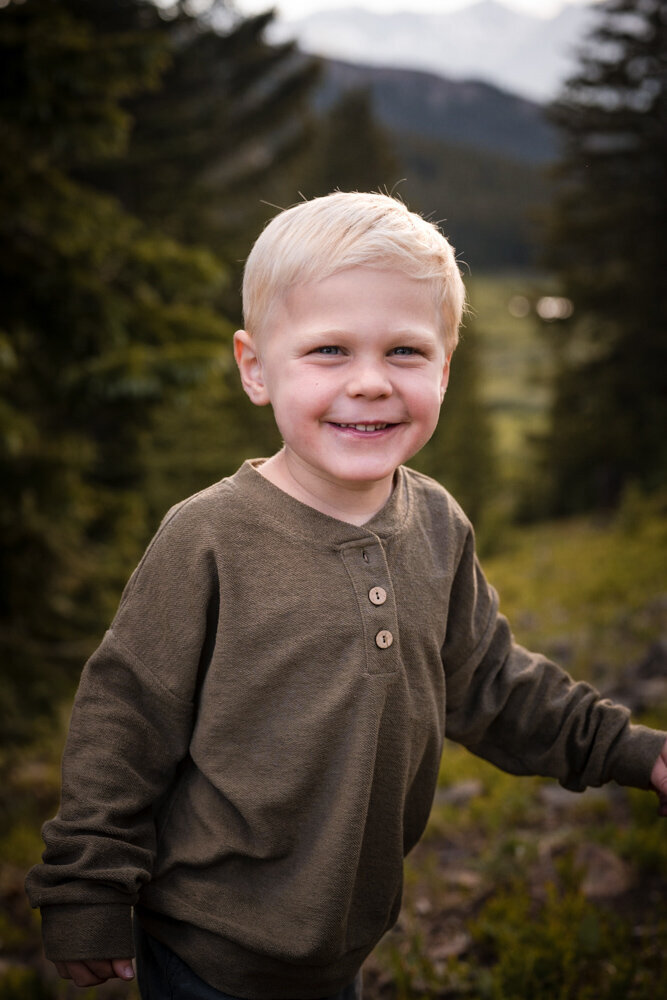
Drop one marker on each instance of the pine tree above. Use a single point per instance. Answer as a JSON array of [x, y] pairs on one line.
[[207, 150], [608, 244], [100, 319], [461, 453], [351, 150], [214, 138]]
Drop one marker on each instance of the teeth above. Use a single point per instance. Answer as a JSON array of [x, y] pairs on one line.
[[365, 427]]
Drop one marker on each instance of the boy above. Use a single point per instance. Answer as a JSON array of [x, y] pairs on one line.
[[255, 745]]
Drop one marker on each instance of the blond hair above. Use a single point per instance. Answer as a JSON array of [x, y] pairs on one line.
[[316, 239]]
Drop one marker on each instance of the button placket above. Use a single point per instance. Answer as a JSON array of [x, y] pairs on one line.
[[369, 573]]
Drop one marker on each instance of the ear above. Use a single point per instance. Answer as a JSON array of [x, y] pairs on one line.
[[444, 382], [250, 368]]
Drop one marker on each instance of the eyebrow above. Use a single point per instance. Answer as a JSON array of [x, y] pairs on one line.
[[407, 332]]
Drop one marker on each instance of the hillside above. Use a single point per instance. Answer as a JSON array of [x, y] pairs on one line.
[[487, 204], [468, 113], [521, 889], [468, 154]]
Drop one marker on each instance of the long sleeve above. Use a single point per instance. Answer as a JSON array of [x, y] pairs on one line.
[[523, 712], [130, 729]]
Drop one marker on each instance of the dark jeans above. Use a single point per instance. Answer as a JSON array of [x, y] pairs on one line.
[[162, 975]]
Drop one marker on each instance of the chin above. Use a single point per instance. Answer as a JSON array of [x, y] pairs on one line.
[[364, 476]]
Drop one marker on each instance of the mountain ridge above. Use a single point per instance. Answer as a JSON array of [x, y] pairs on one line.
[[471, 113], [467, 154], [519, 52]]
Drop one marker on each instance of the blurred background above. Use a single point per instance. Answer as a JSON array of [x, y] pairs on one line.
[[143, 145]]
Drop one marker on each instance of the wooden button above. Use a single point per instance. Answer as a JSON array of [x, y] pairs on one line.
[[384, 639], [377, 595]]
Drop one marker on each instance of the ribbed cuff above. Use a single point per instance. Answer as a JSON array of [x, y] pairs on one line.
[[74, 931], [636, 755]]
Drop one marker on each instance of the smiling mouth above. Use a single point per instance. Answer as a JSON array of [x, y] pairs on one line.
[[366, 428]]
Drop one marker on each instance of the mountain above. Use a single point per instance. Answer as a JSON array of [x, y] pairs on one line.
[[487, 41], [467, 154], [465, 113]]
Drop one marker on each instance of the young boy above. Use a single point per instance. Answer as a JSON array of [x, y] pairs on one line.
[[255, 745]]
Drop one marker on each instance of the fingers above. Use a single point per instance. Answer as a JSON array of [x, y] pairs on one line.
[[122, 967], [94, 972], [659, 780], [84, 973]]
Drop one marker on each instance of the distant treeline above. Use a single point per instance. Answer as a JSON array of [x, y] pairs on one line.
[[467, 153]]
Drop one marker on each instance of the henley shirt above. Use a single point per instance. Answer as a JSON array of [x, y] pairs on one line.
[[255, 745]]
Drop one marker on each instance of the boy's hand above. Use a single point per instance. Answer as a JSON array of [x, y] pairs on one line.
[[93, 973], [659, 780]]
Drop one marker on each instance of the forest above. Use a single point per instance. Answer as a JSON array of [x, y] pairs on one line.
[[142, 148]]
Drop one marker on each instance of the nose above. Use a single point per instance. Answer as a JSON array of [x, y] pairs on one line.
[[368, 378]]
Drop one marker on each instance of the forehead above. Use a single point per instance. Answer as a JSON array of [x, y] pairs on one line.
[[361, 296]]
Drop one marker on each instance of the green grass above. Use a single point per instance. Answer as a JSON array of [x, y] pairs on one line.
[[516, 363], [592, 593]]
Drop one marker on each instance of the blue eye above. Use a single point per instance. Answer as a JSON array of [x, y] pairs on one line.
[[327, 349], [404, 351]]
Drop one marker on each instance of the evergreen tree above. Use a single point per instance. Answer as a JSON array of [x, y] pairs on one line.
[[213, 138], [461, 453], [100, 318], [208, 148], [608, 244], [351, 151]]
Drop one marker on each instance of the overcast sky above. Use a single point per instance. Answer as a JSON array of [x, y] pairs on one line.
[[299, 8]]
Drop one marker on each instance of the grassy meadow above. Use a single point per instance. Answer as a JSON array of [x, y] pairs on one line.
[[516, 365], [519, 890]]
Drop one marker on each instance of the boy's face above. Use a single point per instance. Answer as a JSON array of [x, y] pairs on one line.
[[355, 369]]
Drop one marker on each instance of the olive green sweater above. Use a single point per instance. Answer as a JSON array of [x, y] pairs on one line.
[[254, 746]]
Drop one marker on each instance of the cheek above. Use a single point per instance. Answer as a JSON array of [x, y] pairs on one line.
[[426, 397], [307, 395], [296, 410], [428, 412]]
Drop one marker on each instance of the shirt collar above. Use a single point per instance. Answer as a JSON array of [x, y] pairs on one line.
[[301, 519]]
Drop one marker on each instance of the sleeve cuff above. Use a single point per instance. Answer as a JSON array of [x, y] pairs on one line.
[[635, 756], [87, 931]]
